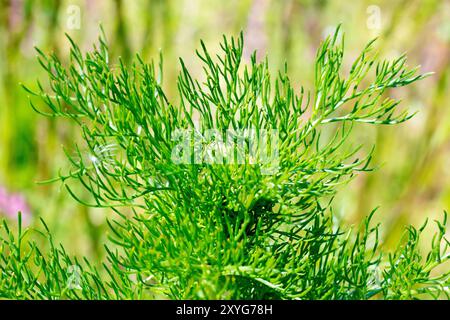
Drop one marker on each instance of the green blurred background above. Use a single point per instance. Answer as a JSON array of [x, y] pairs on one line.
[[412, 181]]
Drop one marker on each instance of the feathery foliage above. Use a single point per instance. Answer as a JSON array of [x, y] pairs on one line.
[[212, 227]]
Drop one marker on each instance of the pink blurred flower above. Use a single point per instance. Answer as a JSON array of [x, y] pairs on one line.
[[12, 203]]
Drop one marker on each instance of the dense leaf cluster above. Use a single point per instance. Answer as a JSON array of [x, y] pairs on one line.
[[222, 230]]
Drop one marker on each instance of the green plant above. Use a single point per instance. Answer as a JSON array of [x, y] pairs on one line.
[[214, 227]]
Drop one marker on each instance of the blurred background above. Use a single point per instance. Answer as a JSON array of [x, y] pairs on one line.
[[411, 183]]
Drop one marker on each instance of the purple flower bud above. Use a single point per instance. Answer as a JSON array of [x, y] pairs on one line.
[[12, 203]]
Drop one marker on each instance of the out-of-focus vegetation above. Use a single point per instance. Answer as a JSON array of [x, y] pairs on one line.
[[413, 183]]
